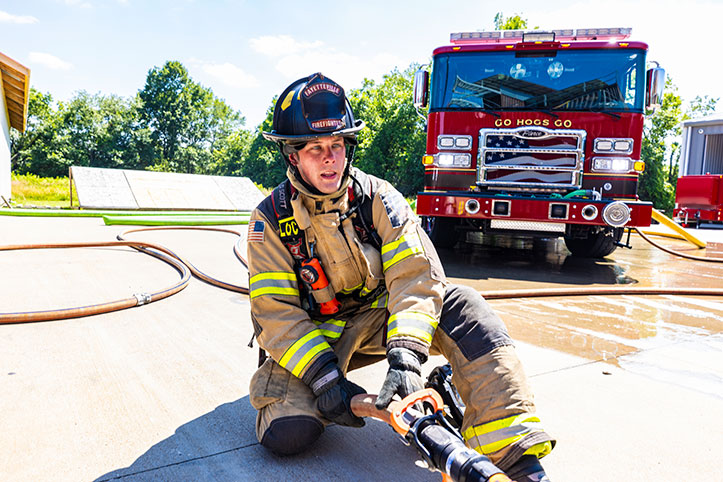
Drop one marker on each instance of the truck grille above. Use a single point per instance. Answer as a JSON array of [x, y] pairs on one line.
[[529, 158]]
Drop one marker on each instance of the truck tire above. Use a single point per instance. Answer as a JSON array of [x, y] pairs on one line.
[[441, 231], [597, 244]]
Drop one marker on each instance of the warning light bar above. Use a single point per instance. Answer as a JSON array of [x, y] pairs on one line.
[[496, 36]]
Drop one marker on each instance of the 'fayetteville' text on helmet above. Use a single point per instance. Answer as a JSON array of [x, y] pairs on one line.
[[310, 108]]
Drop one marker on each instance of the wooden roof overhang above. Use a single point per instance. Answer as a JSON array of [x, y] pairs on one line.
[[15, 86]]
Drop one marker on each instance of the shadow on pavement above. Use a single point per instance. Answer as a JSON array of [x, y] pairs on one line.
[[221, 446], [544, 261]]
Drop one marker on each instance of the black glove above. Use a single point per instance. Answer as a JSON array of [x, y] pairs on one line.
[[403, 377], [333, 396]]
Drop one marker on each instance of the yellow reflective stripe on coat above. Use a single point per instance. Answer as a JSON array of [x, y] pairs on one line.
[[402, 248], [352, 290], [273, 283], [331, 329], [299, 355], [498, 434], [412, 323]]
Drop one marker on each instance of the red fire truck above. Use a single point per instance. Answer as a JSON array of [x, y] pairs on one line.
[[699, 199], [536, 134]]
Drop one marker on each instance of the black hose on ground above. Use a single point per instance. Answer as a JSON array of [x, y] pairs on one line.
[[678, 253]]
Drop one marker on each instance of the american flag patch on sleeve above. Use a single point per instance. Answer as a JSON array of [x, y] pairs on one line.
[[256, 232]]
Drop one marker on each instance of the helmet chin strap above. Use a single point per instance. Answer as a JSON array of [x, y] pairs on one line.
[[297, 173]]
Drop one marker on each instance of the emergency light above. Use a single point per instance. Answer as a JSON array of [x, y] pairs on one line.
[[497, 36]]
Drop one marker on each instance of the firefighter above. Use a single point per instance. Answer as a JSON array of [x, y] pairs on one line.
[[342, 275]]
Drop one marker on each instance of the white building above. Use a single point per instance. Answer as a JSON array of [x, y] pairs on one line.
[[702, 146], [14, 87]]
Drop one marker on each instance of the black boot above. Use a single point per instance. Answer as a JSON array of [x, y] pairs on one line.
[[527, 469]]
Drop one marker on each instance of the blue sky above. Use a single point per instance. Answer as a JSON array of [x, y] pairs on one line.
[[248, 51]]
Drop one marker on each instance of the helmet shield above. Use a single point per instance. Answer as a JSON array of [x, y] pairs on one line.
[[322, 104], [312, 107]]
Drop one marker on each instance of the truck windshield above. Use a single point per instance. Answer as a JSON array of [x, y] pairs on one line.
[[568, 80]]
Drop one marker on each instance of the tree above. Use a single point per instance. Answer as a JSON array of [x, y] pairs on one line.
[[172, 107], [28, 148], [186, 121], [230, 154], [394, 142], [173, 124], [515, 22], [660, 148], [90, 130], [167, 102], [701, 107], [264, 163], [654, 182]]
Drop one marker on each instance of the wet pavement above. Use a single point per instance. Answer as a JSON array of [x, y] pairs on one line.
[[631, 386], [623, 331]]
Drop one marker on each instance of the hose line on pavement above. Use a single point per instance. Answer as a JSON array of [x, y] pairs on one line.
[[135, 300], [678, 253], [195, 271], [615, 290], [186, 268], [600, 291]]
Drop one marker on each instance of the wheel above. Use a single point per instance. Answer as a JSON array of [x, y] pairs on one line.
[[441, 231], [598, 244]]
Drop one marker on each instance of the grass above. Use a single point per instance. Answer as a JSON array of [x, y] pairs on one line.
[[32, 190]]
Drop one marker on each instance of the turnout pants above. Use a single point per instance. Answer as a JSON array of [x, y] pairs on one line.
[[499, 419]]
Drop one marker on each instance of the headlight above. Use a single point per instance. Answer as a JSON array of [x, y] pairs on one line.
[[448, 159], [603, 145], [612, 164], [454, 142], [616, 145], [623, 145]]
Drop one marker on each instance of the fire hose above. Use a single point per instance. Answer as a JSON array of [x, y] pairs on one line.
[[136, 300], [677, 253], [195, 271], [183, 266], [186, 268]]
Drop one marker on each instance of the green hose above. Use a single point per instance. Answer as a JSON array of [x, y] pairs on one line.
[[579, 192], [187, 220], [100, 213]]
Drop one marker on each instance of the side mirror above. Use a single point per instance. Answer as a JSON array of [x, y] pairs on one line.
[[655, 87], [421, 86]]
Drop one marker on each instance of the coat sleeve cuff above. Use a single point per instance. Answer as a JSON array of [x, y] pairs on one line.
[[419, 348], [319, 363]]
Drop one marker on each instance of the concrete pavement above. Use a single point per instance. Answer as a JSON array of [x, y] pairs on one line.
[[160, 392]]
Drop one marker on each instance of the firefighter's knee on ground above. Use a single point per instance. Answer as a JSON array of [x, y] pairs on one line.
[[292, 435]]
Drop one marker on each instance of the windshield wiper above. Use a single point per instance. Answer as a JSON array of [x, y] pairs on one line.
[[611, 114]]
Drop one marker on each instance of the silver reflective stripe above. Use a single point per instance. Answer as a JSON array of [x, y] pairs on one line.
[[331, 328], [303, 351], [412, 323], [273, 283], [508, 432], [394, 252]]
